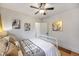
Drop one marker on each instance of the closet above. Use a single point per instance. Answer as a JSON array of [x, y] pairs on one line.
[[41, 29]]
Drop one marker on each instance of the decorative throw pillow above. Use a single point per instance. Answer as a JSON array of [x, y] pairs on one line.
[[3, 45], [12, 50]]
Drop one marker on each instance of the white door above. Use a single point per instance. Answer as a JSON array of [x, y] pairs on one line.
[[41, 29], [37, 29]]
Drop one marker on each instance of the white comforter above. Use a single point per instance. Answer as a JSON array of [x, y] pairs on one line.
[[49, 49]]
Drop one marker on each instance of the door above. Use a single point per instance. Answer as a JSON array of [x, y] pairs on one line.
[[41, 29], [37, 29]]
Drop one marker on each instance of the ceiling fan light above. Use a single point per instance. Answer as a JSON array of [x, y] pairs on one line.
[[41, 11]]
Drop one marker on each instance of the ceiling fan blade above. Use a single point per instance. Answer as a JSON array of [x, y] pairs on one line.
[[37, 12], [40, 5], [50, 8], [44, 4], [34, 7]]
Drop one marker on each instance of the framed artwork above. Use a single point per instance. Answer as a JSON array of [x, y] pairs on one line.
[[27, 26], [16, 24], [57, 25]]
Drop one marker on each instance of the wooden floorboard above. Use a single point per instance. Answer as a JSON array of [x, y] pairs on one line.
[[66, 52]]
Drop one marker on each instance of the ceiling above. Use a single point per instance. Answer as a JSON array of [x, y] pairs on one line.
[[25, 8]]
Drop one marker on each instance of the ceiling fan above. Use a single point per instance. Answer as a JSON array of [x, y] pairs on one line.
[[42, 9]]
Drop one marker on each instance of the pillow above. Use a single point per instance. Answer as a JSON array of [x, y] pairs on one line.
[[12, 50], [8, 45], [3, 34], [13, 40], [12, 47], [3, 45]]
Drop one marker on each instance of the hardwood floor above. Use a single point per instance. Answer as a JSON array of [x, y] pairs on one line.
[[66, 52]]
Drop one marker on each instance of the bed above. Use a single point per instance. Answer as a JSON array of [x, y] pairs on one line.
[[43, 45], [40, 46]]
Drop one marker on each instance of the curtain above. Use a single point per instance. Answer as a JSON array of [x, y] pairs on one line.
[[1, 29]]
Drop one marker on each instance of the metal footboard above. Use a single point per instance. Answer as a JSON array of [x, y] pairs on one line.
[[51, 40]]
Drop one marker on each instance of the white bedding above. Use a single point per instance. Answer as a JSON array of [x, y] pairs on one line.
[[49, 49]]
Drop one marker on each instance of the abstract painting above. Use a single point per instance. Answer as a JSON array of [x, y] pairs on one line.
[[57, 25]]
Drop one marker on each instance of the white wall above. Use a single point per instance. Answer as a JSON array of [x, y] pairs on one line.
[[69, 37], [8, 16]]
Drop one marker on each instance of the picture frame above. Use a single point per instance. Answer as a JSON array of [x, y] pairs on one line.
[[27, 26], [16, 24], [57, 25]]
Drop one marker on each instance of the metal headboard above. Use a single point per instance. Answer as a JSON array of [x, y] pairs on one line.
[[49, 39]]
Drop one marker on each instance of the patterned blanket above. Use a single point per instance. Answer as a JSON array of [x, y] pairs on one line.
[[30, 49]]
